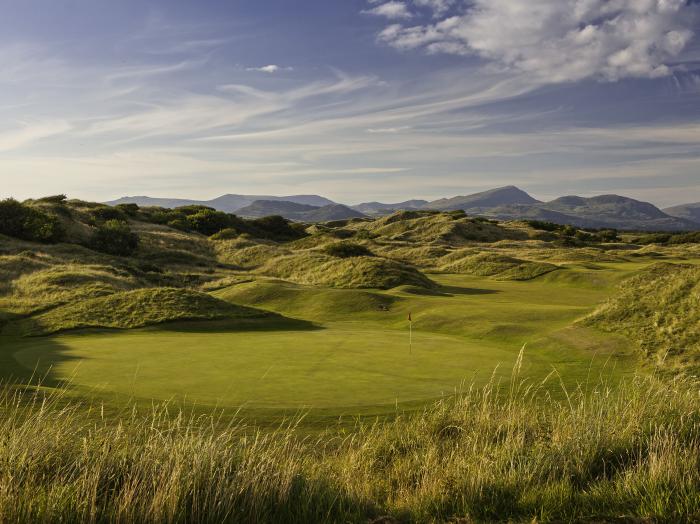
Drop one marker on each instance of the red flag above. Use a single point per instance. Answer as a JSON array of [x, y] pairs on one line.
[[409, 316]]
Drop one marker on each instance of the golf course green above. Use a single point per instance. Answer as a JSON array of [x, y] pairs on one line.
[[354, 352]]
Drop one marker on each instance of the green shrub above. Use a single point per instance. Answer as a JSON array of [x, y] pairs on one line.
[[543, 225], [115, 238], [686, 238], [607, 235], [103, 214], [208, 221], [654, 238], [226, 234], [22, 221], [276, 227], [128, 209], [192, 210], [53, 199], [347, 250]]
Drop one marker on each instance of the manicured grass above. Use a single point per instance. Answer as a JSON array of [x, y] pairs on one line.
[[355, 356]]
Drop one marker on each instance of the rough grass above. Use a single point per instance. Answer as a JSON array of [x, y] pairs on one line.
[[132, 309], [659, 309], [501, 267], [247, 254], [631, 454], [428, 227], [356, 272], [314, 303]]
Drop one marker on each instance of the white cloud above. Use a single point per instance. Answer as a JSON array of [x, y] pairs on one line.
[[559, 40], [270, 69], [439, 7], [393, 10]]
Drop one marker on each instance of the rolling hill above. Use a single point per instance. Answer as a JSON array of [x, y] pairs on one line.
[[378, 208], [502, 196], [686, 211], [300, 212], [228, 203]]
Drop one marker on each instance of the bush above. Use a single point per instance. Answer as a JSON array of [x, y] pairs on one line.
[[583, 236], [686, 238], [347, 250], [654, 238], [541, 225], [129, 209], [192, 210], [208, 221], [276, 227], [607, 235], [115, 238], [53, 199], [21, 221], [103, 214], [568, 231], [226, 234]]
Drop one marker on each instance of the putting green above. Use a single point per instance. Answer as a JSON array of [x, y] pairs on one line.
[[461, 335], [338, 366]]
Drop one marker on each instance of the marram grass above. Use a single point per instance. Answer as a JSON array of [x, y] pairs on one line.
[[499, 453]]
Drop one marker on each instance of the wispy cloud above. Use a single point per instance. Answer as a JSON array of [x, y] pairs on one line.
[[29, 133], [270, 69]]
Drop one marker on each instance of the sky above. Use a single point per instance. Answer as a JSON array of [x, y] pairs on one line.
[[356, 100]]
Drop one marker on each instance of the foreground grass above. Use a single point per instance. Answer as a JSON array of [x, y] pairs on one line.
[[492, 454]]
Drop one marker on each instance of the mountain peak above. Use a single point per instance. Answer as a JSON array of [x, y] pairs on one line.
[[500, 196]]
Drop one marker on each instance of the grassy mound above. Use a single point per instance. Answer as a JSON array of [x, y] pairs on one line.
[[62, 283], [132, 309], [357, 272], [499, 266], [308, 302], [427, 227], [659, 309], [247, 254], [420, 256]]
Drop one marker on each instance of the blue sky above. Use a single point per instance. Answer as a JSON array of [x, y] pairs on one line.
[[353, 99]]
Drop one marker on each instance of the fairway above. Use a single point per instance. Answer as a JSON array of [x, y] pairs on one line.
[[470, 330]]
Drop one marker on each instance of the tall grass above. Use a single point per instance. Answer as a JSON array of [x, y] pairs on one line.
[[490, 454]]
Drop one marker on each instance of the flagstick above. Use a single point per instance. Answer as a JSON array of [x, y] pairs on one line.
[[410, 337]]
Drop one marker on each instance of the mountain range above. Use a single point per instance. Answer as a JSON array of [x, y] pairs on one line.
[[227, 203], [510, 202]]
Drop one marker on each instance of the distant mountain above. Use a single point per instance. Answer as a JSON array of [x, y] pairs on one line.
[[616, 211], [262, 208], [378, 208], [686, 211], [602, 211], [144, 201], [300, 212], [510, 202], [502, 196], [226, 203], [332, 212]]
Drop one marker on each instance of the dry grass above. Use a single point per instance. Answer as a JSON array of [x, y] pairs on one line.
[[132, 309], [659, 309], [316, 268], [509, 453]]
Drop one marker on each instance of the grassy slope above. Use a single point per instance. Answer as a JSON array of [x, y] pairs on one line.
[[631, 454], [355, 272], [659, 309], [133, 309]]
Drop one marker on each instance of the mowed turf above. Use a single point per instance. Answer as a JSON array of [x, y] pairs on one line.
[[358, 356]]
